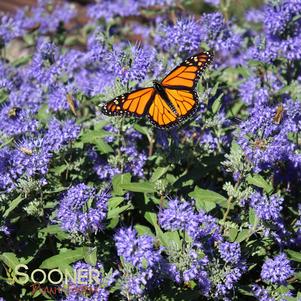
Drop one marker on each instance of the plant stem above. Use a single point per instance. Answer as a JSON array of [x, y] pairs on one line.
[[229, 202]]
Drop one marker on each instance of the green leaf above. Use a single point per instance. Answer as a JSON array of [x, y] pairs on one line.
[[144, 230], [151, 217], [95, 137], [235, 109], [217, 104], [55, 230], [139, 187], [258, 181], [298, 275], [43, 114], [293, 255], [232, 234], [113, 222], [90, 255], [245, 290], [214, 89], [118, 180], [242, 235], [158, 173], [66, 257], [9, 259], [103, 147], [23, 60], [253, 219], [116, 211], [170, 240], [207, 199], [115, 202], [13, 205], [142, 129]]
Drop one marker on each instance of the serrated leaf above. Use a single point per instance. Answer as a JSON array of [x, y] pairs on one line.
[[113, 222], [242, 235], [118, 180], [217, 104], [95, 137], [293, 255], [139, 187], [232, 234], [258, 181], [253, 219], [158, 173], [214, 89], [207, 199], [103, 147], [144, 230], [13, 205], [55, 230], [142, 129], [66, 257], [117, 211], [90, 255], [9, 259], [151, 217], [115, 202]]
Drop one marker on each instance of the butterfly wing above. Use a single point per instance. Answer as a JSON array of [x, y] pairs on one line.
[[179, 87], [186, 75], [134, 103], [160, 114], [178, 101], [185, 102]]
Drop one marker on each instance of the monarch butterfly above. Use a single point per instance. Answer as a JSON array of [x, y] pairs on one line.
[[168, 102]]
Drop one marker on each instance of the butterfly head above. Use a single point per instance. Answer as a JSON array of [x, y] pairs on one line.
[[158, 87]]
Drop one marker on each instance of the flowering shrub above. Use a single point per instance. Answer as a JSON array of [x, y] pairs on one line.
[[207, 211]]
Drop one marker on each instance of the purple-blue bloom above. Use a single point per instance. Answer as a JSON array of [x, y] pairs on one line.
[[276, 270], [266, 207], [82, 209], [183, 37], [137, 250], [59, 134], [217, 33], [230, 252]]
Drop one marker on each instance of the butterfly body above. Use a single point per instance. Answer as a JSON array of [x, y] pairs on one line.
[[160, 90], [168, 102]]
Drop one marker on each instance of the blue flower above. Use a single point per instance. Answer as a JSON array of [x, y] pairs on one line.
[[267, 208], [77, 213], [94, 284], [230, 252], [183, 37], [137, 250], [141, 261], [217, 33], [177, 216], [276, 270], [132, 65], [59, 134], [16, 120], [47, 15], [9, 29]]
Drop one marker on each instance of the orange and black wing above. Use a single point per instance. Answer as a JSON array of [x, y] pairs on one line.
[[161, 114], [179, 86], [134, 103], [186, 75], [184, 102]]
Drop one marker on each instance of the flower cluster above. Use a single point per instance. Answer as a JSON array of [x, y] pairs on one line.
[[140, 259], [76, 212]]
